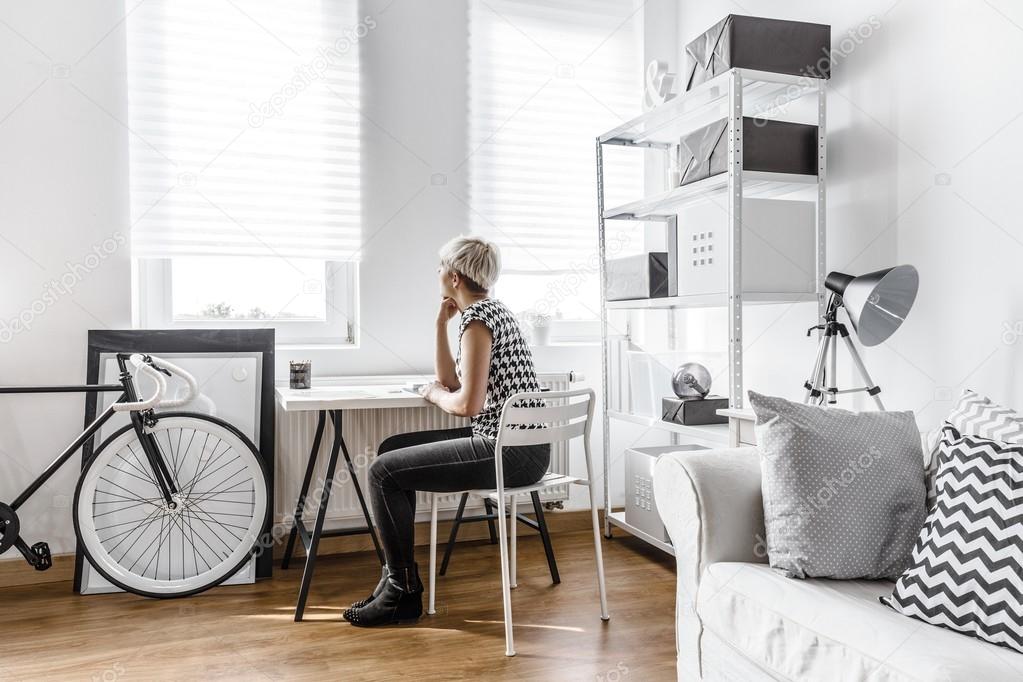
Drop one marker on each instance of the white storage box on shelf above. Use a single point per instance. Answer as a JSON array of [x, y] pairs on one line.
[[778, 241], [640, 506]]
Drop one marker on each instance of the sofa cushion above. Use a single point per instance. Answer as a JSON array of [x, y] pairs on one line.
[[974, 415], [967, 562], [844, 492], [822, 629]]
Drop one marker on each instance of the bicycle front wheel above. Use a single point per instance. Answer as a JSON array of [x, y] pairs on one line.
[[142, 544]]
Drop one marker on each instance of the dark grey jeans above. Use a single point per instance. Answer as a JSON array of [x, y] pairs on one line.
[[442, 461]]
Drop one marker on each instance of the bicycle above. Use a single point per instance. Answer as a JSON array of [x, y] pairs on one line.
[[170, 505]]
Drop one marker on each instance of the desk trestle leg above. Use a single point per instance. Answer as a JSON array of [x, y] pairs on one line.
[[311, 540]]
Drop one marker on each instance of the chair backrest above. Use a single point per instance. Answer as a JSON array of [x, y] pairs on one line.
[[564, 415]]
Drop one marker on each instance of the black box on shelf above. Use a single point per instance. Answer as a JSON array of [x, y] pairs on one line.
[[770, 146], [694, 411], [791, 47], [637, 277]]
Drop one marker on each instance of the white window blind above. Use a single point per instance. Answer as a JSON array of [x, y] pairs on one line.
[[547, 77], [245, 128]]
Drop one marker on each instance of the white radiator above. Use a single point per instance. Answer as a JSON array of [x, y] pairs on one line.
[[363, 431]]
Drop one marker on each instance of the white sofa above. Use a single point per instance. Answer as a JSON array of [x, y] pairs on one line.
[[736, 619]]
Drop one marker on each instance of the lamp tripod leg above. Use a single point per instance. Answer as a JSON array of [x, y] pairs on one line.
[[814, 384], [832, 391], [871, 388]]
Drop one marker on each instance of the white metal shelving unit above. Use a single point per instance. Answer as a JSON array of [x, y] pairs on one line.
[[732, 95]]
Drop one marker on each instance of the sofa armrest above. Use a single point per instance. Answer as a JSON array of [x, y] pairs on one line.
[[711, 506]]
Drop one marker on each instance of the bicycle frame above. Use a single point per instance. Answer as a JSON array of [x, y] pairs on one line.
[[138, 422]]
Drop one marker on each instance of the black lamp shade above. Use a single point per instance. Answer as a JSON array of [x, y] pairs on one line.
[[878, 302]]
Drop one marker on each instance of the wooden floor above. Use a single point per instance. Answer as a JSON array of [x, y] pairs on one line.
[[247, 632]]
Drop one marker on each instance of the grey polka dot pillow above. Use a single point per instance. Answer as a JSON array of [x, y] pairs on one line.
[[844, 493]]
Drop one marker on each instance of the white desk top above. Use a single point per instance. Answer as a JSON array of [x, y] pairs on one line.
[[378, 396]]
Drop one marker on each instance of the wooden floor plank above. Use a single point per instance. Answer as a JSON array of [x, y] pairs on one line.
[[247, 632]]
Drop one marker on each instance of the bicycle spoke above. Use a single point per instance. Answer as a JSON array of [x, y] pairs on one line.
[[217, 535], [156, 554], [225, 480], [142, 471], [143, 552], [146, 522], [135, 498], [188, 448], [198, 472], [202, 474], [115, 511], [196, 517], [143, 467]]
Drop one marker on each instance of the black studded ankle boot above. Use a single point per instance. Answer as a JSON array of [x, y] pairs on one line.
[[376, 590], [400, 600]]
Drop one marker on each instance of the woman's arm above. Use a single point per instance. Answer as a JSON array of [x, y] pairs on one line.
[[469, 398], [444, 364]]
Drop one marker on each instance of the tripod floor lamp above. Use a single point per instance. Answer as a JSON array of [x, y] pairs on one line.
[[876, 304]]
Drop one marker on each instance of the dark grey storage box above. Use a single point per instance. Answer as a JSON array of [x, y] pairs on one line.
[[792, 47], [771, 146], [635, 277], [694, 411]]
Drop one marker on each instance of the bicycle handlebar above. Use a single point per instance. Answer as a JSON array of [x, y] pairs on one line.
[[145, 365], [193, 385]]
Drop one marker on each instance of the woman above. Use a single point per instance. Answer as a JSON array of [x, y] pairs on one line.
[[493, 364]]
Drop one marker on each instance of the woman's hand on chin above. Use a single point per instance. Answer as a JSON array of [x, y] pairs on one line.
[[448, 309], [431, 390]]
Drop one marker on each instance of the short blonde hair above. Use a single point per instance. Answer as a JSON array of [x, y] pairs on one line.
[[475, 259]]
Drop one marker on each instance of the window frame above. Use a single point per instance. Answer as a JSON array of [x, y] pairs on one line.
[[153, 307]]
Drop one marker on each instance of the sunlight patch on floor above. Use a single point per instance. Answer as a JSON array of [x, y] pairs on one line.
[[563, 628]]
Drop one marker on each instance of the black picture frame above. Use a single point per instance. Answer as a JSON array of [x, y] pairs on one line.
[[157, 341]]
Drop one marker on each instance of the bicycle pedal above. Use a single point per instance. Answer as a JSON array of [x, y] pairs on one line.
[[41, 550]]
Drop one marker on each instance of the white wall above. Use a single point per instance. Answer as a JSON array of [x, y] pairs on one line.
[[925, 131], [63, 203], [63, 192]]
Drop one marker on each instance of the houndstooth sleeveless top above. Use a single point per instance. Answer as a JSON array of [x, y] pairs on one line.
[[511, 362]]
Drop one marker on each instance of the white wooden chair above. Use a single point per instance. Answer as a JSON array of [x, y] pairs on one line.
[[562, 420]]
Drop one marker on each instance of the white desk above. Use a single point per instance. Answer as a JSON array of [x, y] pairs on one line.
[[331, 401], [347, 398]]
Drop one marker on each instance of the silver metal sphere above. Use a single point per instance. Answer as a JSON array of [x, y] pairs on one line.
[[691, 380]]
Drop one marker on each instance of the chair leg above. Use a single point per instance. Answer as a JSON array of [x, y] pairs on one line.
[[548, 548], [433, 554], [509, 641], [598, 550], [489, 506], [454, 533], [513, 520]]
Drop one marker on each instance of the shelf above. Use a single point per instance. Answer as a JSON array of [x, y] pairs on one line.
[[764, 94], [715, 433], [708, 301], [618, 519], [755, 185]]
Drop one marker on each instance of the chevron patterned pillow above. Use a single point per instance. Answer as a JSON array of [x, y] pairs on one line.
[[975, 415], [967, 566]]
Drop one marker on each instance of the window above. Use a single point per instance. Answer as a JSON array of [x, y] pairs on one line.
[[546, 78], [244, 164]]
